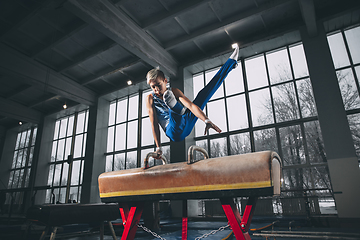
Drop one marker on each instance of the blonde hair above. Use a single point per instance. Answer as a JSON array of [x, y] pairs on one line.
[[154, 74]]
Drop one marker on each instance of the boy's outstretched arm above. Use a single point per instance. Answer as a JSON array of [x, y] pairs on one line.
[[195, 110], [154, 123]]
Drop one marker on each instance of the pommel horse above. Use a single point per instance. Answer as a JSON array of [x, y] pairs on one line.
[[250, 175]]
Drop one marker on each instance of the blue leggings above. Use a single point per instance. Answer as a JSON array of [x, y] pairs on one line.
[[180, 126]]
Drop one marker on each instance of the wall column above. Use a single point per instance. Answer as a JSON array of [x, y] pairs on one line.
[[177, 149], [7, 156], [95, 160], [42, 157], [32, 194], [341, 156]]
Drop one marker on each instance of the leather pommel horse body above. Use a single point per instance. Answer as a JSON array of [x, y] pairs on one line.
[[248, 175]]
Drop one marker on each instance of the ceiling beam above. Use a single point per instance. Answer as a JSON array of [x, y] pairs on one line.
[[74, 28], [119, 68], [176, 11], [308, 14], [82, 57], [227, 22], [18, 90], [17, 65], [44, 99], [249, 45], [19, 112], [43, 5], [108, 19]]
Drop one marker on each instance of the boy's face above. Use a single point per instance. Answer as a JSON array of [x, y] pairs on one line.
[[158, 86]]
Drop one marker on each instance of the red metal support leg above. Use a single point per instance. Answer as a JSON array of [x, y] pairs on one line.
[[124, 212], [233, 217], [248, 213], [184, 221], [239, 226], [130, 220]]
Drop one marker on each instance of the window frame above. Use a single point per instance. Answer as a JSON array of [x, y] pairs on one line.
[[63, 191]]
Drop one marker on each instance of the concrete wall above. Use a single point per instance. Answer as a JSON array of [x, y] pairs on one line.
[[2, 139], [95, 162], [7, 156], [177, 153], [342, 161], [43, 157], [188, 91]]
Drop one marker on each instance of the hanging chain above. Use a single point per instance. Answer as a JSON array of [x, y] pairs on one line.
[[149, 231], [213, 232], [198, 238]]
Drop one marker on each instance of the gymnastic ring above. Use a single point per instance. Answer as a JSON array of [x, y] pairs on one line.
[[153, 155], [191, 150]]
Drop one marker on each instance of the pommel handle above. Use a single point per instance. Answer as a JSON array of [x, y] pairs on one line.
[[153, 155], [191, 151]]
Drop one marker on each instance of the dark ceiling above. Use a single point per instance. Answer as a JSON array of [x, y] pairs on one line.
[[74, 51]]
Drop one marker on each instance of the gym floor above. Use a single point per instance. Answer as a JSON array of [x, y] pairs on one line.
[[278, 228]]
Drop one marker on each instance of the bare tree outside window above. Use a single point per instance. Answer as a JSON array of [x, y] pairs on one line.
[[21, 167], [344, 47], [69, 142], [277, 112]]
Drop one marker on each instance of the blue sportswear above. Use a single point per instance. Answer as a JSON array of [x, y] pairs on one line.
[[177, 127]]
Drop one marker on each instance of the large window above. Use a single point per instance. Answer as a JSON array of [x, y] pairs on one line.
[[21, 165], [130, 134], [267, 103], [345, 51], [67, 158]]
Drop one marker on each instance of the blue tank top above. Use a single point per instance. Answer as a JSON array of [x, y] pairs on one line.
[[162, 112]]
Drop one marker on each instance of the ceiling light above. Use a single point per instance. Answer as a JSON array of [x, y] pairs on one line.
[[129, 82], [20, 123], [65, 106], [235, 45]]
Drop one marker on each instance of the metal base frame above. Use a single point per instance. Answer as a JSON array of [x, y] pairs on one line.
[[240, 225]]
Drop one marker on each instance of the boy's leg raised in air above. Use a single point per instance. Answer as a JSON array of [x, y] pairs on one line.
[[235, 54], [208, 91], [188, 120]]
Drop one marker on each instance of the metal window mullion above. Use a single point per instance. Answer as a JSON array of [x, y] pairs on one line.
[[85, 117], [72, 156], [227, 120], [67, 127], [311, 181], [270, 88], [56, 153], [62, 164], [9, 184], [80, 183], [22, 148], [294, 81], [19, 162], [82, 145], [15, 158], [351, 61], [53, 174], [138, 164], [277, 132], [206, 113], [302, 127], [263, 127], [115, 124], [83, 155], [248, 108], [28, 149], [126, 129]]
